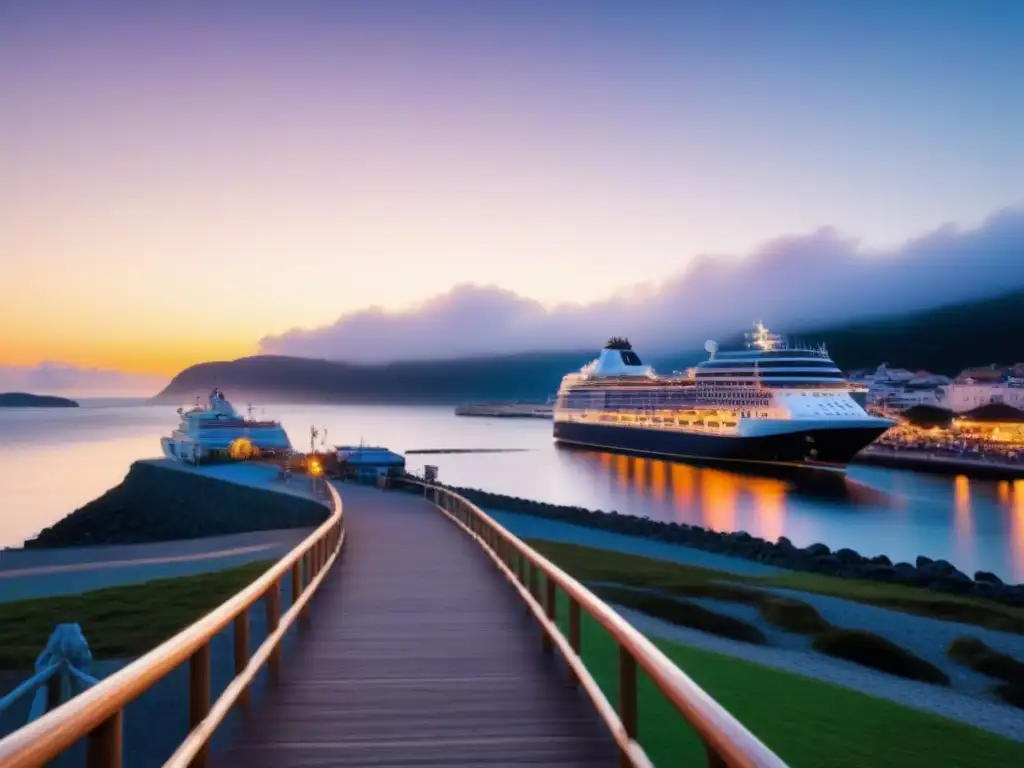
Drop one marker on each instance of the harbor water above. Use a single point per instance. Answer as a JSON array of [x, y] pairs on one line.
[[54, 460]]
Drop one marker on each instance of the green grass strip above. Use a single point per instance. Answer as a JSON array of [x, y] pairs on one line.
[[118, 622], [808, 723]]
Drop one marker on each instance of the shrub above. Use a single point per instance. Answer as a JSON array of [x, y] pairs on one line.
[[1012, 694], [684, 614], [871, 650], [793, 615], [982, 658]]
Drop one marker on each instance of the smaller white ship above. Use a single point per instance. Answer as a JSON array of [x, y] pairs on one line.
[[218, 433]]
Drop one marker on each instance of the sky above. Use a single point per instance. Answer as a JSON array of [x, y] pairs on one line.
[[215, 179]]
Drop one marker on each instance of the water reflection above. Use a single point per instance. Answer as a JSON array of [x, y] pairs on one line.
[[1016, 539], [51, 463], [963, 528]]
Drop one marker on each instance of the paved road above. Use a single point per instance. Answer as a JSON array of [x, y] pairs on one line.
[[28, 573]]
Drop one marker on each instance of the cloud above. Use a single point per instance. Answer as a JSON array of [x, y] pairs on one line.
[[792, 283], [58, 378]]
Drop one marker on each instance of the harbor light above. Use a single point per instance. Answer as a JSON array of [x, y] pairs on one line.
[[315, 468]]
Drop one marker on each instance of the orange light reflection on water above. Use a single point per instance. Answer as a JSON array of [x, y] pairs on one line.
[[719, 492], [1017, 530], [640, 475], [963, 528], [659, 480], [684, 484], [769, 506]]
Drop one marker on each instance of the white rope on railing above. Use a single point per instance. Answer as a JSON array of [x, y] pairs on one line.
[[67, 656]]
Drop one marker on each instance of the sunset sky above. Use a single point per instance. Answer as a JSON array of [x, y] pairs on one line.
[[177, 184]]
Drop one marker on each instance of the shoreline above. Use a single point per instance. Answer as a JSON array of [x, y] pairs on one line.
[[936, 576], [915, 460]]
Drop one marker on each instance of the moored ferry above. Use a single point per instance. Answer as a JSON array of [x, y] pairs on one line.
[[219, 433], [770, 401]]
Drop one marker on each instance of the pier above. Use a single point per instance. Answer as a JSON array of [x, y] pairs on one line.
[[513, 410], [420, 631]]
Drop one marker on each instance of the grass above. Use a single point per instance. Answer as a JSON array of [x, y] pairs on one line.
[[980, 657], [793, 615], [118, 622], [877, 652], [589, 564], [683, 613], [808, 723]]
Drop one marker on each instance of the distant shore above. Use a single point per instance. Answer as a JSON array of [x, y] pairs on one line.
[[26, 400], [926, 461]]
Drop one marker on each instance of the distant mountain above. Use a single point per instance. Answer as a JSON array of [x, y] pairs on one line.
[[25, 400], [943, 340]]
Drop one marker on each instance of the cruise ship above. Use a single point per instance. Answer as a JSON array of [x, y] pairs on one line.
[[218, 433], [767, 402]]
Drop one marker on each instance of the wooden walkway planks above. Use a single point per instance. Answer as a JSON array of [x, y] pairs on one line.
[[418, 652]]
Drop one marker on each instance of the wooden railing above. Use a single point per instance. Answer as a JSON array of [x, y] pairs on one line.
[[96, 714], [728, 744]]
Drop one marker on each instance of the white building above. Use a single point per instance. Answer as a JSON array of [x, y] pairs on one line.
[[897, 389], [969, 394]]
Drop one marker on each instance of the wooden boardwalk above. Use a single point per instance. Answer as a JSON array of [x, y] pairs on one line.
[[417, 652]]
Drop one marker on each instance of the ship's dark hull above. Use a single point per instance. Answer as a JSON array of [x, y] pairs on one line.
[[834, 447]]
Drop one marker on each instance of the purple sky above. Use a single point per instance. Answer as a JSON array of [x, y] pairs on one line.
[[182, 180]]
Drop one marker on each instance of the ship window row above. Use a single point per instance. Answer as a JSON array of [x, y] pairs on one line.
[[791, 363], [773, 353], [787, 374]]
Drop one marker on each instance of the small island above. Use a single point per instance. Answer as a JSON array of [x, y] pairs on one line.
[[25, 400]]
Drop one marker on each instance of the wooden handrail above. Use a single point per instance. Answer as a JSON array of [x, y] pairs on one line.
[[727, 742], [96, 713]]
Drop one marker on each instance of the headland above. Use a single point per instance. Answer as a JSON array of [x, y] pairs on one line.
[[26, 400]]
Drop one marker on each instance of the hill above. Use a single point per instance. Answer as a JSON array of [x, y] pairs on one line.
[[25, 400], [944, 340]]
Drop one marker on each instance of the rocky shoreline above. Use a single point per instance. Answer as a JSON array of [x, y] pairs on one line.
[[154, 503], [934, 575]]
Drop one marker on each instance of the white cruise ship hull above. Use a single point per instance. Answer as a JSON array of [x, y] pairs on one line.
[[809, 443]]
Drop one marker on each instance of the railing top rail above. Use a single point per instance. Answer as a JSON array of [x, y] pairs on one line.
[[44, 739], [715, 725]]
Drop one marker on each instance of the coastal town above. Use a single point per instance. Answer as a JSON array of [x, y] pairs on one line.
[[976, 415]]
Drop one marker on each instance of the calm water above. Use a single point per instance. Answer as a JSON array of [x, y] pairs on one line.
[[52, 461]]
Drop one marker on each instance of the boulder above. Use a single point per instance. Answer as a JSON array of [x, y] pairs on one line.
[[849, 556], [987, 577]]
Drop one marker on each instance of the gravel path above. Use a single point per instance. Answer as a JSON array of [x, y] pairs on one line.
[[962, 707], [926, 637]]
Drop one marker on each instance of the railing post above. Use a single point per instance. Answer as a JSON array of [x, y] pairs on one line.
[[104, 745], [273, 600], [627, 698], [549, 608], [574, 634], [296, 581], [533, 580], [241, 631], [714, 759], [199, 694]]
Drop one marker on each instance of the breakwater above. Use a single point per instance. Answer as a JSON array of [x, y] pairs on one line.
[[155, 503], [925, 573], [925, 461]]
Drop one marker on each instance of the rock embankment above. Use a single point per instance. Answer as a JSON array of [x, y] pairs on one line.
[[935, 575], [153, 503]]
